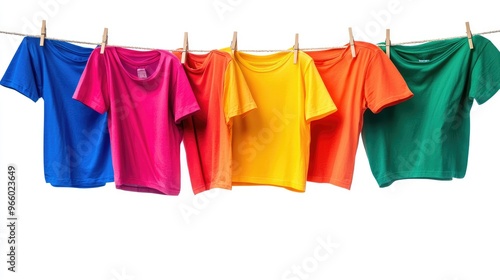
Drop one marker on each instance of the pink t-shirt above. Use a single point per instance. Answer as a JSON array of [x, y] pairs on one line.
[[146, 95]]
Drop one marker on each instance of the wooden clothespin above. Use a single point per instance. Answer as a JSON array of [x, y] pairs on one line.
[[234, 42], [351, 43], [296, 49], [104, 40], [43, 33], [469, 35], [185, 48], [388, 42]]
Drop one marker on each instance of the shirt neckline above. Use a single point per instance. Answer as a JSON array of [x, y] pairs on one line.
[[124, 55], [205, 60], [68, 52], [319, 57], [443, 49], [262, 63]]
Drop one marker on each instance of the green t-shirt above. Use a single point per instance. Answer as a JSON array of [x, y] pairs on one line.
[[428, 135]]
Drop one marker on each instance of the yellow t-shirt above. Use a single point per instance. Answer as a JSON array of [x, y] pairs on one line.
[[271, 143]]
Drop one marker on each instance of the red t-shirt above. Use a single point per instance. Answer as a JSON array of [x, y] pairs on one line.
[[222, 93]]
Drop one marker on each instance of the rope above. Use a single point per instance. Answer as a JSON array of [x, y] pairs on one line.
[[288, 50], [440, 39]]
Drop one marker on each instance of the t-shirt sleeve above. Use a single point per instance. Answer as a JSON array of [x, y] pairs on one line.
[[384, 85], [183, 99], [237, 96], [485, 74], [92, 86], [24, 72], [318, 103]]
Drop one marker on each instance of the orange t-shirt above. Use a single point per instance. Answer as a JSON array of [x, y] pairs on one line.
[[370, 80], [222, 93]]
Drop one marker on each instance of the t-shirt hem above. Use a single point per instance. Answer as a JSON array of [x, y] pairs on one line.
[[338, 183], [432, 175], [241, 111], [19, 88], [78, 183], [186, 112], [91, 104], [321, 113], [252, 181], [483, 98], [145, 187], [200, 189], [220, 186], [391, 101], [197, 190]]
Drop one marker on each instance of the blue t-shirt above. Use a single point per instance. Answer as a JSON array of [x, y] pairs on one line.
[[76, 138]]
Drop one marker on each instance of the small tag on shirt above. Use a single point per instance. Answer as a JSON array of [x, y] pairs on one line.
[[424, 60], [141, 73]]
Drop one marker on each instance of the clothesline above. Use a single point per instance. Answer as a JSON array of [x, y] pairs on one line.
[[304, 49]]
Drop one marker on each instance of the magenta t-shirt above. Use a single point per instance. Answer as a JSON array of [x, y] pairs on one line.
[[146, 95]]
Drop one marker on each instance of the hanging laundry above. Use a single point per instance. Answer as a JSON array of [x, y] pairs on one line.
[[76, 139], [368, 81], [271, 143], [222, 93], [428, 135], [146, 95]]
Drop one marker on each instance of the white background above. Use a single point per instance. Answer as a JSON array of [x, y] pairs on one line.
[[414, 229]]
